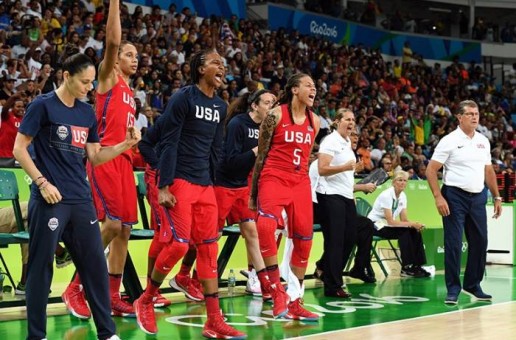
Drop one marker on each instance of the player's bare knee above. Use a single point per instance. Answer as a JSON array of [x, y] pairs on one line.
[[248, 231]]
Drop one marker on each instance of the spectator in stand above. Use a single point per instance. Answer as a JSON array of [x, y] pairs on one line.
[[11, 117], [364, 153], [7, 90]]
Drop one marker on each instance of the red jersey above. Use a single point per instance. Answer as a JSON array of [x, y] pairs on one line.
[[8, 131], [115, 113], [291, 144]]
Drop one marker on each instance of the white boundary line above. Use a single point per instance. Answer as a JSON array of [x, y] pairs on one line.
[[400, 321]]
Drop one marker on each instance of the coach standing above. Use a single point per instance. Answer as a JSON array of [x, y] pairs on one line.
[[466, 157]]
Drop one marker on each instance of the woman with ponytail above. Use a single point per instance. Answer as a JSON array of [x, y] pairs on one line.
[[233, 173], [281, 182]]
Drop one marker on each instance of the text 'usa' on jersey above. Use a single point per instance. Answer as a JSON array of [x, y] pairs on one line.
[[60, 137], [115, 111], [291, 144], [238, 158], [192, 136]]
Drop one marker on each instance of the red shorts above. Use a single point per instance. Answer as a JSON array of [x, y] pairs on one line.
[[114, 190], [278, 190], [195, 213], [233, 205], [152, 196]]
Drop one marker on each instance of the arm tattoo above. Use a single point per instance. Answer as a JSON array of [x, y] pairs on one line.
[[264, 144]]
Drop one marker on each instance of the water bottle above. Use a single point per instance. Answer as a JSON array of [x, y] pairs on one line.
[[231, 282]]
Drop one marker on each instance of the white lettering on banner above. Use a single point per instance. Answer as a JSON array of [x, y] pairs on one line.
[[338, 307], [323, 29]]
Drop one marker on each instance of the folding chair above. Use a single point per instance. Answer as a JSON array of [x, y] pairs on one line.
[[364, 208], [9, 192]]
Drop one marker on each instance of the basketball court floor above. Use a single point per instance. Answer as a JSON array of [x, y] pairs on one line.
[[393, 308]]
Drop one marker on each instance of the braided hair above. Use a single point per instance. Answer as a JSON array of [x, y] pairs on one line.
[[197, 60]]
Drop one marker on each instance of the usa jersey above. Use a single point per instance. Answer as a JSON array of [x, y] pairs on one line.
[[237, 158], [191, 137], [8, 131], [115, 113], [291, 144], [60, 136]]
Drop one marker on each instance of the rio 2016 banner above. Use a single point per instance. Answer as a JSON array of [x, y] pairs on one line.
[[387, 42]]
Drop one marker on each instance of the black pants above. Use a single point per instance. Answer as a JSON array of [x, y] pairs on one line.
[[364, 241], [338, 222], [73, 224], [410, 242]]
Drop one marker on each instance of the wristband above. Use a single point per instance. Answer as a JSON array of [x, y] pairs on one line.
[[42, 182], [497, 198]]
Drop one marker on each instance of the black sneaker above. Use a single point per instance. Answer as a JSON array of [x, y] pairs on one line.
[[64, 259], [20, 289], [410, 271], [423, 272], [362, 275], [478, 294], [451, 299]]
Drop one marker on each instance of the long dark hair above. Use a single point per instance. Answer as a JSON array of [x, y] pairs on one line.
[[287, 96], [243, 104]]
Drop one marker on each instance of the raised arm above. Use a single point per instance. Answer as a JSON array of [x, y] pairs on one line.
[[264, 144], [107, 75]]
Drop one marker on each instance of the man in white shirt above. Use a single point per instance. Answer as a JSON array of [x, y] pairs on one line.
[[466, 157]]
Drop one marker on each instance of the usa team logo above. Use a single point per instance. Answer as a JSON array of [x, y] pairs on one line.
[[62, 132], [53, 223]]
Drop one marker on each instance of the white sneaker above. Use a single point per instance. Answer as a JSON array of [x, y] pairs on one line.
[[114, 337], [253, 284]]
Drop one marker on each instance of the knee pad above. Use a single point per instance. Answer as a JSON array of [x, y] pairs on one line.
[[156, 246], [207, 260], [301, 252], [169, 256], [266, 227]]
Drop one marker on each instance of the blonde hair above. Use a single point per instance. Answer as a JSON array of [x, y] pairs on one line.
[[400, 174], [338, 116]]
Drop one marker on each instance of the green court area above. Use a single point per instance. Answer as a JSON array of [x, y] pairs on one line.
[[388, 300]]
